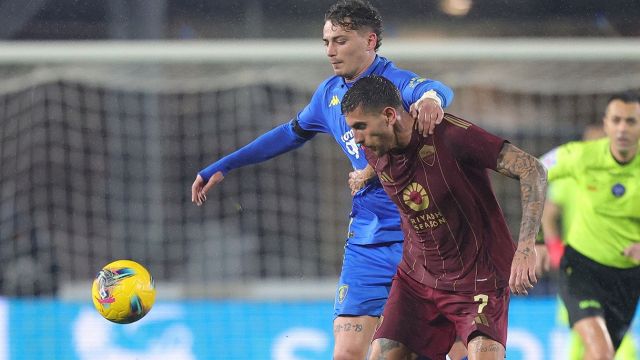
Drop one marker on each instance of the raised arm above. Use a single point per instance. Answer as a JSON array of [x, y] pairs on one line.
[[279, 140], [517, 164]]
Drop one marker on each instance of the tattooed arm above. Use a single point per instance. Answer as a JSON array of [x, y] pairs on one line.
[[517, 164]]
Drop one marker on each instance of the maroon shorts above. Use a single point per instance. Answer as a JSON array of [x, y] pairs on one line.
[[427, 320]]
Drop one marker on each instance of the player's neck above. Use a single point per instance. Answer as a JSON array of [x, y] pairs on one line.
[[366, 65], [624, 156], [403, 130]]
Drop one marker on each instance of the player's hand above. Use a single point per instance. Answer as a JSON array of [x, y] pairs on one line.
[[523, 269], [542, 260], [199, 189], [633, 251], [357, 179], [427, 113]]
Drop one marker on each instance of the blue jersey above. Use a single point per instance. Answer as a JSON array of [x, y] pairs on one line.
[[374, 217]]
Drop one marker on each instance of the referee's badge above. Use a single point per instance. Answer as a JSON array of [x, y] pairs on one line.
[[342, 293], [618, 190]]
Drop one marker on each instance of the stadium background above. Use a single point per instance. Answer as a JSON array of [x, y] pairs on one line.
[[101, 137]]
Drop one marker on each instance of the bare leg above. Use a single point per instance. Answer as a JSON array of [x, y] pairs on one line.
[[595, 337], [385, 349], [352, 335], [484, 348], [458, 351]]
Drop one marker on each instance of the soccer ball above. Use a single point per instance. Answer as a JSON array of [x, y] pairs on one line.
[[123, 292]]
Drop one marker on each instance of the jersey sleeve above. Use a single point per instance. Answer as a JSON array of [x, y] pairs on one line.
[[412, 87], [277, 141], [312, 117], [469, 143], [561, 162]]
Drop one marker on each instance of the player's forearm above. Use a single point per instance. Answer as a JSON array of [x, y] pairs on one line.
[[520, 165], [277, 141]]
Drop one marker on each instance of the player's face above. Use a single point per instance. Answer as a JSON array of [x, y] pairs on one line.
[[350, 52], [373, 130], [622, 125]]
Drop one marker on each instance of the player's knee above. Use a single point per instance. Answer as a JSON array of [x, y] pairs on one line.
[[599, 353], [349, 353]]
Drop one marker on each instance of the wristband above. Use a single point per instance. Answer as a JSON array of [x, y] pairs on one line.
[[431, 94]]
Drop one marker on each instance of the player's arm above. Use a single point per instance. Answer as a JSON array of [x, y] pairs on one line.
[[281, 139], [358, 178], [517, 164], [426, 100]]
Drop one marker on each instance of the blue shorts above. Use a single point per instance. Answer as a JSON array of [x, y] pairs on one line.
[[366, 276]]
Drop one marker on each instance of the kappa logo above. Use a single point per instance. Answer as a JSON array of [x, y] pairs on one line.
[[334, 101], [415, 196], [342, 293]]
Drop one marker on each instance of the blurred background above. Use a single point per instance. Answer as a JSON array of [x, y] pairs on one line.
[[109, 108]]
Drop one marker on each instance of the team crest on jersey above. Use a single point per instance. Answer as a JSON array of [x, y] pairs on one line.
[[342, 293], [415, 196], [427, 154], [334, 101]]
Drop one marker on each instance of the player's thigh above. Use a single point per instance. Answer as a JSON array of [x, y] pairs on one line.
[[352, 336], [580, 287], [484, 348], [365, 280], [386, 349], [477, 313], [412, 319]]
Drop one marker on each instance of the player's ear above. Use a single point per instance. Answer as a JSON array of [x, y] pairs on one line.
[[391, 115], [372, 40]]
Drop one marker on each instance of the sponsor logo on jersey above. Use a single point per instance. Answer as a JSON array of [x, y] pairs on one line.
[[415, 197], [350, 144], [334, 101]]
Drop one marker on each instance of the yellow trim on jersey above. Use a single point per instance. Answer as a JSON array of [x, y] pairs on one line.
[[457, 121]]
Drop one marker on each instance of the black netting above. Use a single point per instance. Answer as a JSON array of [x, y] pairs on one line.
[[90, 173]]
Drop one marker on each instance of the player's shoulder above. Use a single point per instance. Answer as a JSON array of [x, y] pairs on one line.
[[329, 83], [395, 74]]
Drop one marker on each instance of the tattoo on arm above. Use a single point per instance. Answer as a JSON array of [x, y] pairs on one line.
[[517, 164]]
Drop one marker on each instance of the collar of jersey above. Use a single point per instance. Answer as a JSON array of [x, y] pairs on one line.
[[367, 72]]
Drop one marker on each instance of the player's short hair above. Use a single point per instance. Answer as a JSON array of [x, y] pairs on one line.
[[355, 15], [625, 97], [373, 93]]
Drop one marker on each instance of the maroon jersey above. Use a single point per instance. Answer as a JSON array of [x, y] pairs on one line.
[[456, 237]]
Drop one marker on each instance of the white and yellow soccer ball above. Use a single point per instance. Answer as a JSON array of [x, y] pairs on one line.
[[123, 291]]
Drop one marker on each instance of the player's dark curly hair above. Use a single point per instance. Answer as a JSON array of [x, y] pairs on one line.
[[373, 93], [354, 15]]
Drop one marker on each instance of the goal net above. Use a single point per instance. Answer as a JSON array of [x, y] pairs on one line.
[[99, 145]]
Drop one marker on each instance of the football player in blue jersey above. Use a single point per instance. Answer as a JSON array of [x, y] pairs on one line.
[[352, 34]]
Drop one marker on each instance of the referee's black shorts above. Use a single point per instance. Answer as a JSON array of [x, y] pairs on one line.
[[588, 289]]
